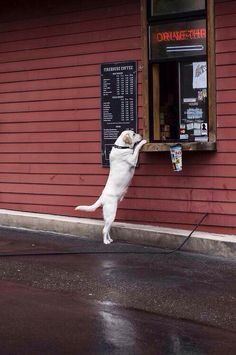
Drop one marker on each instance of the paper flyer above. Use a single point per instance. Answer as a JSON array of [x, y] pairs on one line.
[[199, 75]]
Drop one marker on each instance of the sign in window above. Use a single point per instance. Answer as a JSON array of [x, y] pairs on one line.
[[177, 40]]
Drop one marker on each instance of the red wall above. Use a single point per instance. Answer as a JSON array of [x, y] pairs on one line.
[[50, 99], [50, 118]]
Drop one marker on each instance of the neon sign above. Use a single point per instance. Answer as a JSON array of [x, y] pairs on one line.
[[177, 39], [180, 35]]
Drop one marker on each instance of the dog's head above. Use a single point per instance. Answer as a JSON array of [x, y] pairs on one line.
[[128, 138]]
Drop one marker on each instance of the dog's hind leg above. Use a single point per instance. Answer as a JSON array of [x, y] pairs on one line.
[[109, 215]]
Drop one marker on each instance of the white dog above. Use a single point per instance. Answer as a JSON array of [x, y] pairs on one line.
[[123, 160]]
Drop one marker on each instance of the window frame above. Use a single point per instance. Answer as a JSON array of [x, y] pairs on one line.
[[147, 101]]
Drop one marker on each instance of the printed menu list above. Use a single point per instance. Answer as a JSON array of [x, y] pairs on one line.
[[118, 102]]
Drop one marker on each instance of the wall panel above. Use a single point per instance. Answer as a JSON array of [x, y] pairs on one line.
[[50, 118]]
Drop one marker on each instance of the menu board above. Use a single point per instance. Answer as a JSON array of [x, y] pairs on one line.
[[118, 103], [193, 101]]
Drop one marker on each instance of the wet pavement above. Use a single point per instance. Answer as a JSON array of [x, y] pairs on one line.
[[115, 299]]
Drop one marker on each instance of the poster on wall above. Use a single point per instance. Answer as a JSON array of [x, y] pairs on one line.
[[193, 101], [118, 103]]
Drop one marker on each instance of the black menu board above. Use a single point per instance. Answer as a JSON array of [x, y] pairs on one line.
[[118, 103]]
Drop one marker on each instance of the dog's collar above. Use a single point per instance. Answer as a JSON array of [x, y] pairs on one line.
[[120, 147]]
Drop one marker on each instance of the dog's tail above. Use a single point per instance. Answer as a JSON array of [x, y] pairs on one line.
[[90, 208]]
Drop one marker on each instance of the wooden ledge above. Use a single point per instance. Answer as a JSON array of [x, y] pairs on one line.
[[186, 146]]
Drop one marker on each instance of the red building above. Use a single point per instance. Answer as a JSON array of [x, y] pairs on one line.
[[50, 108]]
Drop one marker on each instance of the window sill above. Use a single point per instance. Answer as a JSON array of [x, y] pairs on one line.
[[186, 146]]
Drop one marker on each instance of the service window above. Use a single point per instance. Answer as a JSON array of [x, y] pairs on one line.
[[179, 96]]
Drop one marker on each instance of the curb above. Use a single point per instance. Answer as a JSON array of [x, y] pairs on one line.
[[166, 238]]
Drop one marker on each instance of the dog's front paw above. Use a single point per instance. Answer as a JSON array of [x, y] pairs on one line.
[[142, 143]]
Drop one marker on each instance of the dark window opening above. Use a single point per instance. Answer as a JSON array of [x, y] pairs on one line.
[[169, 101], [179, 74], [173, 7], [178, 62], [180, 101]]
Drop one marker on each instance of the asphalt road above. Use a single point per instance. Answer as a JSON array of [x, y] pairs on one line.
[[115, 299]]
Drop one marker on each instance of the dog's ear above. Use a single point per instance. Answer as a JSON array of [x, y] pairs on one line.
[[127, 139]]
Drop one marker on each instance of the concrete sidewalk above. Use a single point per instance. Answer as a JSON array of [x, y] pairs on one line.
[[167, 238]]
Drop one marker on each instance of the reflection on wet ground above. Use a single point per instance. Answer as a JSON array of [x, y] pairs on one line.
[[137, 303]]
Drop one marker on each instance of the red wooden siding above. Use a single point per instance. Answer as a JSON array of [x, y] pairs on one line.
[[50, 118], [50, 60]]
